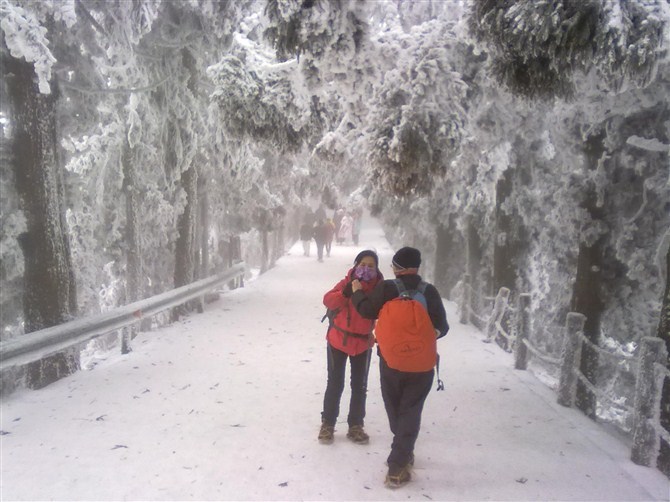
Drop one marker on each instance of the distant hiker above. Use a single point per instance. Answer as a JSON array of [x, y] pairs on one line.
[[356, 227], [349, 337], [309, 217], [330, 233], [320, 213], [337, 219], [404, 390], [306, 235], [320, 236], [344, 233]]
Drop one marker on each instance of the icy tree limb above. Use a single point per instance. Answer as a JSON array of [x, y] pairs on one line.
[[146, 88], [498, 310], [96, 26], [650, 145]]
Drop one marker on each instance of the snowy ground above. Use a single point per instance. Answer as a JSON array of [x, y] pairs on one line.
[[226, 405]]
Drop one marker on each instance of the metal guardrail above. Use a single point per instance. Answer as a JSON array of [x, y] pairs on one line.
[[39, 344]]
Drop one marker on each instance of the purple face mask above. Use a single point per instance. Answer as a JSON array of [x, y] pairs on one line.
[[365, 273]]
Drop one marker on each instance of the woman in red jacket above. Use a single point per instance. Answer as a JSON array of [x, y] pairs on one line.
[[349, 337]]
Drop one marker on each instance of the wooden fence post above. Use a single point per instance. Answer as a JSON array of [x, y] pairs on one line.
[[647, 393], [572, 344], [502, 299], [466, 300], [523, 330]]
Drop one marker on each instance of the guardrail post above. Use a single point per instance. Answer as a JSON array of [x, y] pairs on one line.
[[523, 330], [466, 300], [125, 340], [498, 310], [572, 344], [647, 392]]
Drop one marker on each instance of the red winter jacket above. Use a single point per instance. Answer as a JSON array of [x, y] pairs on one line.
[[348, 319]]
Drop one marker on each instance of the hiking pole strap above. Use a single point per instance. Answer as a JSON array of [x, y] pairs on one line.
[[440, 383]]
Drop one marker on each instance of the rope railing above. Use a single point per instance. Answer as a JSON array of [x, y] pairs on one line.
[[608, 354], [494, 324], [541, 355], [470, 297], [600, 395], [511, 327]]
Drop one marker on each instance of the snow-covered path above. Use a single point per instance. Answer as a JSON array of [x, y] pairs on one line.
[[226, 405]]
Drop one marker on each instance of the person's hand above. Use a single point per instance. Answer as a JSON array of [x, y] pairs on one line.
[[356, 285]]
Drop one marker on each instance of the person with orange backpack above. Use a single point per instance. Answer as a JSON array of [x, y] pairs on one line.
[[410, 318], [349, 338]]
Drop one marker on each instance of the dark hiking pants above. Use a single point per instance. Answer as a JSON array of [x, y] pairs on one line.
[[337, 365], [319, 250], [404, 395]]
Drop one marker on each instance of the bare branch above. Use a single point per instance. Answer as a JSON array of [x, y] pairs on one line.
[[114, 91], [90, 18]]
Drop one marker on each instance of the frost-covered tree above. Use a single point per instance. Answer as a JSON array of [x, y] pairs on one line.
[[338, 67], [538, 46], [554, 48], [49, 294], [417, 119]]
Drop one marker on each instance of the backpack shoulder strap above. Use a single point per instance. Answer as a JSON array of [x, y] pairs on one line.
[[421, 288], [400, 285]]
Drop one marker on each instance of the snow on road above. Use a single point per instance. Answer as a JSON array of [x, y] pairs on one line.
[[225, 405]]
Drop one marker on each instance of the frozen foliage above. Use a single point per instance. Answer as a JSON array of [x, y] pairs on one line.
[[26, 38], [417, 119], [250, 106], [317, 28], [538, 45]]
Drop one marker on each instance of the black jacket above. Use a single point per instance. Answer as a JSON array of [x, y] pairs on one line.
[[368, 306]]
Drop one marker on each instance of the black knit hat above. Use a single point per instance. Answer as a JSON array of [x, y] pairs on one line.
[[364, 253], [407, 258]]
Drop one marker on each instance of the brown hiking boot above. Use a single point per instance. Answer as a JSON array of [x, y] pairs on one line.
[[326, 433], [358, 435], [398, 476]]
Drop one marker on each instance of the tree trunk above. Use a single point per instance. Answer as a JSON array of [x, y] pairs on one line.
[[664, 324], [449, 262], [265, 251], [184, 250], [506, 248], [278, 248], [203, 225], [664, 333], [586, 295], [50, 289], [586, 300], [133, 253], [474, 269]]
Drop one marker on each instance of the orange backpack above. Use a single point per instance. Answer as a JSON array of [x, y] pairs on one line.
[[405, 333]]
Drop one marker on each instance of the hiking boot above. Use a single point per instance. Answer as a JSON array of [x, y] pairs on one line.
[[398, 476], [326, 434], [410, 462], [358, 435]]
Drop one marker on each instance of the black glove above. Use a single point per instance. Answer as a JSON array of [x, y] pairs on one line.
[[347, 292]]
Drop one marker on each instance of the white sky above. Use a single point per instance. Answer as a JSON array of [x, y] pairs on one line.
[[226, 405]]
